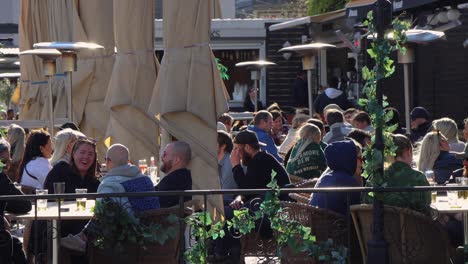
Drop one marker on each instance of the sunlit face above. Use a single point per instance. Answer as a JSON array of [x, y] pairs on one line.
[[277, 124], [84, 157], [167, 159], [47, 150], [266, 125]]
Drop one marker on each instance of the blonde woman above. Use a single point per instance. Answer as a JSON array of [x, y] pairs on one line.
[[307, 158], [449, 129], [292, 136], [434, 155], [16, 137], [64, 141]]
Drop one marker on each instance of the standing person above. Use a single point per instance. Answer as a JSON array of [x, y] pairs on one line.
[[263, 122], [344, 158], [332, 95], [12, 206], [35, 164], [307, 159], [400, 174], [16, 137], [300, 90], [420, 123], [249, 100], [434, 155], [175, 159], [449, 129]]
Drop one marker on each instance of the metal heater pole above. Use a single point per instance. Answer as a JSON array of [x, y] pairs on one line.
[[406, 71], [51, 108], [311, 96]]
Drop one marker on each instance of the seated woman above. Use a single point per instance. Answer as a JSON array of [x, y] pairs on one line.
[[344, 159], [35, 165], [449, 129], [13, 206], [400, 174], [16, 137], [307, 159], [434, 155]]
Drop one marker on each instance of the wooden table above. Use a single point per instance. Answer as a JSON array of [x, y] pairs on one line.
[[53, 214], [442, 206]]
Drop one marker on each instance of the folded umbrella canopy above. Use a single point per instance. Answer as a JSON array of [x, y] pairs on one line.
[[133, 78], [189, 94]]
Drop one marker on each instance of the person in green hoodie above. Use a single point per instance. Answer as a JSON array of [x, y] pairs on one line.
[[400, 174], [307, 158]]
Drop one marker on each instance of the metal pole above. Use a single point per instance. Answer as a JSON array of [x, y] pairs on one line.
[[69, 97], [51, 109], [377, 246], [309, 88], [406, 71], [256, 95]]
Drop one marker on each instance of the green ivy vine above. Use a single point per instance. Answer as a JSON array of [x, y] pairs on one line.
[[223, 70], [380, 51], [288, 233]]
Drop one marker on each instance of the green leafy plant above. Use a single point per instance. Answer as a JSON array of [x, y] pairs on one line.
[[223, 70], [6, 92], [380, 51], [115, 228], [289, 233], [316, 7]]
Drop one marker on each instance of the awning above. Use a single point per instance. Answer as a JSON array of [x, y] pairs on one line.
[[358, 9], [400, 5], [322, 18]]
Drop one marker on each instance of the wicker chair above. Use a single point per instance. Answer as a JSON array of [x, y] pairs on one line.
[[325, 225], [303, 198], [411, 236], [167, 253]]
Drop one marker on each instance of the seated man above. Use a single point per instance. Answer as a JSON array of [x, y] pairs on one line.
[[174, 161], [13, 206], [121, 177], [345, 162]]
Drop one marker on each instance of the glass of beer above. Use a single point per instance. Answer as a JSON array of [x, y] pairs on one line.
[[81, 202], [142, 165], [433, 193], [462, 181], [41, 204]]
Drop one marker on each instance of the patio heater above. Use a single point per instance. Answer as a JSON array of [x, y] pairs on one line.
[[48, 57], [69, 52], [310, 53], [255, 68], [418, 37]]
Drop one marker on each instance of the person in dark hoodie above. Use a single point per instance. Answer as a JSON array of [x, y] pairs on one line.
[[420, 123], [13, 206], [332, 95], [345, 162]]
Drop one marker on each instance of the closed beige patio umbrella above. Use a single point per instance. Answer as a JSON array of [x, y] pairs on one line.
[[189, 94], [133, 78]]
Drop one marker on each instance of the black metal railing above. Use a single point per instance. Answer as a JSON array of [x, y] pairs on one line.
[[206, 193]]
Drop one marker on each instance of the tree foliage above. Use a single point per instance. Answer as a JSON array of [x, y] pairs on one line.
[[316, 7], [6, 91]]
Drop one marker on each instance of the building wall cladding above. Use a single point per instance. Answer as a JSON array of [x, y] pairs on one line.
[[280, 78]]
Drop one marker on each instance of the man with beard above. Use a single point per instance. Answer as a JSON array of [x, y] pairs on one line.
[[174, 161]]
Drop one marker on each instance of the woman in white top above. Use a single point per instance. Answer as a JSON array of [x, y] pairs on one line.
[[35, 165]]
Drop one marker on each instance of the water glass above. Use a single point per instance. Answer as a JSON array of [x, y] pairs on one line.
[[153, 174], [41, 204], [81, 202]]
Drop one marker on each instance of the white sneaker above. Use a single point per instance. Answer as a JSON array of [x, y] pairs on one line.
[[74, 243]]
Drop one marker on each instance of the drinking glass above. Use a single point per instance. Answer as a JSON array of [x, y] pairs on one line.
[[430, 176], [41, 204], [153, 174], [81, 202], [462, 181], [142, 165], [59, 187], [433, 193], [452, 196]]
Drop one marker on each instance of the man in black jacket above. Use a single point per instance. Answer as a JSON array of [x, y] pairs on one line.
[[12, 206]]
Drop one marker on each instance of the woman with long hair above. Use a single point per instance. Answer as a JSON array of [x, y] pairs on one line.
[[16, 137], [449, 129], [307, 159], [64, 141], [434, 155], [35, 164]]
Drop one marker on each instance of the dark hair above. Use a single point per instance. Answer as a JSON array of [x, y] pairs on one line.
[[276, 114], [334, 116], [333, 82], [225, 139], [316, 122], [262, 116], [350, 111], [362, 117], [69, 125], [402, 143], [274, 107], [226, 119], [92, 171], [359, 135], [36, 140]]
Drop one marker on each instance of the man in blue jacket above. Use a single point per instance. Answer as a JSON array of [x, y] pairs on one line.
[[345, 163], [263, 121]]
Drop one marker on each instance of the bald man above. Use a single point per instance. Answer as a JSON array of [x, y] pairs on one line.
[[175, 158]]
